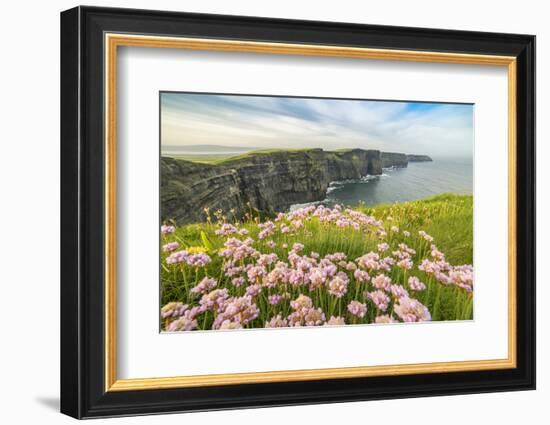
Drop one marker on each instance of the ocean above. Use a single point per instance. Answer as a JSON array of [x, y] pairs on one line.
[[416, 181]]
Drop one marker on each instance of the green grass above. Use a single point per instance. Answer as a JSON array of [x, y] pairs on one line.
[[218, 159], [448, 218], [261, 152], [204, 158], [221, 158]]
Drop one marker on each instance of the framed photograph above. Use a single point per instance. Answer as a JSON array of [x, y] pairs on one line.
[[261, 212]]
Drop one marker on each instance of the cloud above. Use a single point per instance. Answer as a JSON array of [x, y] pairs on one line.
[[284, 122]]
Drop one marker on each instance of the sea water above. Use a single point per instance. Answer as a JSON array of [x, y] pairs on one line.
[[416, 181]]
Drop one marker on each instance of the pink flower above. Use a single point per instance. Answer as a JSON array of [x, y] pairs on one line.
[[463, 277], [314, 317], [384, 319], [275, 299], [228, 325], [297, 247], [357, 309], [335, 321], [369, 261], [267, 259], [386, 264], [170, 246], [297, 224], [182, 324], [278, 275], [379, 299], [253, 290], [173, 309], [361, 276], [255, 273], [383, 247], [336, 257], [214, 300], [177, 257], [442, 278], [317, 277], [205, 285], [425, 236], [307, 316], [398, 291], [238, 282], [329, 268], [405, 264], [415, 284], [276, 322], [166, 229], [338, 286], [268, 229], [231, 271], [237, 310], [381, 282], [198, 260], [428, 267], [296, 277], [226, 229], [303, 301], [411, 310]]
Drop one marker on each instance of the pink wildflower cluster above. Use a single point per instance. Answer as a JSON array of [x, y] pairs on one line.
[[205, 285], [266, 276], [437, 267], [411, 310], [170, 246], [166, 229], [179, 317], [193, 260]]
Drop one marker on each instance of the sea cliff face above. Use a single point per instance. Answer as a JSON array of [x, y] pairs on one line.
[[393, 159], [269, 182]]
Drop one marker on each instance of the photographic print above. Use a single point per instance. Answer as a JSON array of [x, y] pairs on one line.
[[280, 212], [319, 197]]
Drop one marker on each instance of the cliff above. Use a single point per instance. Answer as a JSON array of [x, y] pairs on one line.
[[269, 182], [419, 158], [392, 159]]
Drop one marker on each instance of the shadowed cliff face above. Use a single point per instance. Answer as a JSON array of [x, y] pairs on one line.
[[392, 159], [269, 182]]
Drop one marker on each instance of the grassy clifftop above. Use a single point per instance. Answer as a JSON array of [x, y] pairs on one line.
[[443, 221]]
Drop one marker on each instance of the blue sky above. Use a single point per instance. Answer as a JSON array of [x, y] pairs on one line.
[[285, 122]]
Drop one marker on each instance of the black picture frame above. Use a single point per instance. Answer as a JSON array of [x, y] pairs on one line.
[[83, 392]]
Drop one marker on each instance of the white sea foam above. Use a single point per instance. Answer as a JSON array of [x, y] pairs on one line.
[[338, 184]]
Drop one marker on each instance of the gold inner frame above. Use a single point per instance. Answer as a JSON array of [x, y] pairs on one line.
[[113, 41]]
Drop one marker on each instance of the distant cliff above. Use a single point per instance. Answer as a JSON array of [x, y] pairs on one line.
[[392, 159], [419, 158], [267, 181]]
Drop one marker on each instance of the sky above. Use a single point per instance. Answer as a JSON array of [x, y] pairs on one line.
[[268, 122]]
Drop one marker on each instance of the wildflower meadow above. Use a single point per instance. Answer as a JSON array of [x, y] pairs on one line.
[[320, 266]]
